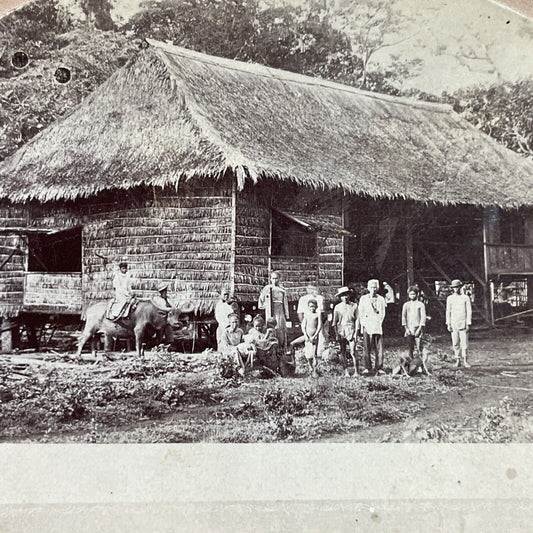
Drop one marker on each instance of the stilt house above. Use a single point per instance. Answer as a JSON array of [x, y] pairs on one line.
[[205, 171]]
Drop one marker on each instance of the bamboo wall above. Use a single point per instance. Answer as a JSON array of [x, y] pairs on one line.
[[253, 241], [330, 263], [180, 237], [12, 271], [184, 238]]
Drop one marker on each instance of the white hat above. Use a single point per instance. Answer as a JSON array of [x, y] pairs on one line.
[[342, 290]]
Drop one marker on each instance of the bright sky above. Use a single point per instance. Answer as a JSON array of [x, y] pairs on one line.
[[478, 26]]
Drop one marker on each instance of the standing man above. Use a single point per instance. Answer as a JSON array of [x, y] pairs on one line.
[[345, 324], [273, 299], [371, 315], [222, 311], [458, 321]]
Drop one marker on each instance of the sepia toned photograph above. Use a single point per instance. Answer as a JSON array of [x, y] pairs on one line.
[[259, 221]]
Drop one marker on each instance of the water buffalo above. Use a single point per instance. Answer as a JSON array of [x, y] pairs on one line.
[[145, 317]]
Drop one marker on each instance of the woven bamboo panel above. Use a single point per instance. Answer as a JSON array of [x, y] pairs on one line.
[[185, 243], [60, 292], [12, 272]]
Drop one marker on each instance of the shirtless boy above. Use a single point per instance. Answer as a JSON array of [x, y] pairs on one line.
[[311, 327]]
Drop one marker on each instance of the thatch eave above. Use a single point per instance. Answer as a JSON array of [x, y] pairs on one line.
[[173, 114]]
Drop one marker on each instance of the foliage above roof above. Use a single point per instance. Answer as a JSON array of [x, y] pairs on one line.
[[173, 114]]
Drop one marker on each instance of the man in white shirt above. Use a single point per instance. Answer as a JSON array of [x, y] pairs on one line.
[[222, 311], [458, 321], [372, 308]]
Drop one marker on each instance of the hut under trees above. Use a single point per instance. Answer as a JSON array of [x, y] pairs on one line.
[[206, 171]]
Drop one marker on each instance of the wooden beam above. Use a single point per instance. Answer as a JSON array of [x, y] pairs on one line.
[[409, 253], [514, 315], [343, 216], [488, 222], [233, 245]]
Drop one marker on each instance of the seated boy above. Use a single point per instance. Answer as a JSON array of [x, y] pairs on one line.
[[265, 342], [231, 343], [311, 327]]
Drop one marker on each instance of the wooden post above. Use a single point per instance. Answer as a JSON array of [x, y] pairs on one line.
[[409, 254], [270, 240], [343, 222], [6, 337], [233, 250], [488, 232]]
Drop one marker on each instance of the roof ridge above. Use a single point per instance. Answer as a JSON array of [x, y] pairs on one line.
[[235, 159], [285, 75]]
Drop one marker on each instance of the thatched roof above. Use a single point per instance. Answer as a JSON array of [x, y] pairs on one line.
[[172, 114]]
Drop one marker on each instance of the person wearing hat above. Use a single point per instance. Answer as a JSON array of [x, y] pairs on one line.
[[222, 311], [372, 308], [458, 321], [345, 323], [122, 284], [161, 300]]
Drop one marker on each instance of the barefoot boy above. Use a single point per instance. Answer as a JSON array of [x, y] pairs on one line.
[[345, 324], [413, 321], [311, 327]]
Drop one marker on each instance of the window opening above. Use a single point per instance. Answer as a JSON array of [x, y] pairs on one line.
[[512, 228], [512, 292], [289, 238], [55, 252]]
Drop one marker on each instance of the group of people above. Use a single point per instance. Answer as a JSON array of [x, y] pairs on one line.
[[267, 338], [350, 320]]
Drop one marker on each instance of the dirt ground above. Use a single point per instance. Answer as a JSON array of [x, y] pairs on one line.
[[171, 397]]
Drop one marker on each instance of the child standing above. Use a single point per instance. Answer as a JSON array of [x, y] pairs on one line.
[[345, 323], [458, 321], [311, 327], [414, 321]]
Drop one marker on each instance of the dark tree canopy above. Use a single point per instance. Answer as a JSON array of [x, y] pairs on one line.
[[503, 111], [294, 39]]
